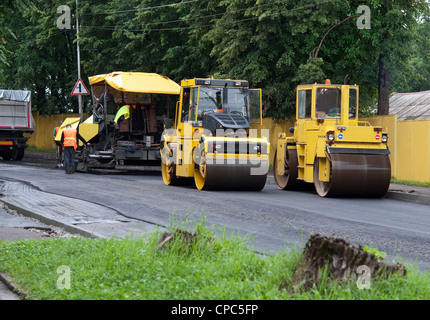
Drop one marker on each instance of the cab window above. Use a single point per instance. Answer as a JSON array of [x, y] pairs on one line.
[[186, 93], [255, 108], [193, 105], [305, 104], [210, 100], [189, 104], [328, 103], [352, 103]]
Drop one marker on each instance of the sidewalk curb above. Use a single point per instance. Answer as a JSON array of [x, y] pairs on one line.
[[67, 227], [395, 195], [410, 197], [12, 286]]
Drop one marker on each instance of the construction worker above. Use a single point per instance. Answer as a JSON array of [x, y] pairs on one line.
[[69, 140], [124, 112], [58, 146]]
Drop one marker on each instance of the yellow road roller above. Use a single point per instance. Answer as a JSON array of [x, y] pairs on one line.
[[331, 148], [210, 140]]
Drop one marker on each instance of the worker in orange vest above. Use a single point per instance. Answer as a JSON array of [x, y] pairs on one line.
[[69, 140]]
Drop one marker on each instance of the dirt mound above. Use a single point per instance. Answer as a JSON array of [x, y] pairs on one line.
[[184, 239], [343, 261]]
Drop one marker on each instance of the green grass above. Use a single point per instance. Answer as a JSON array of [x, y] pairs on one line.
[[210, 268], [411, 183], [41, 150]]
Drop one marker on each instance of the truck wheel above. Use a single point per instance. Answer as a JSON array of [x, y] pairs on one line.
[[18, 154]]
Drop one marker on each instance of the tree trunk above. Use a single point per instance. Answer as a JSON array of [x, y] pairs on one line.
[[383, 88], [342, 261]]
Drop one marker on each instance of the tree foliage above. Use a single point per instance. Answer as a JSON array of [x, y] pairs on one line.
[[272, 44]]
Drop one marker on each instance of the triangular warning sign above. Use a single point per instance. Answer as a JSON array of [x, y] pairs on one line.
[[80, 89]]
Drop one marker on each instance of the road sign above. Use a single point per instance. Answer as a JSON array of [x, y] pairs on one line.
[[80, 89]]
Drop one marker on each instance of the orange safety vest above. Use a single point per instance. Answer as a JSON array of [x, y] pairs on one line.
[[70, 138]]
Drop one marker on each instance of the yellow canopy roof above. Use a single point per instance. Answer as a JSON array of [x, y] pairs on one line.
[[137, 82]]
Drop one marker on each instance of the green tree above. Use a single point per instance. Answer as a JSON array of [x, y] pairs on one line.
[[271, 44], [419, 61], [9, 10], [393, 26], [153, 36], [42, 58], [275, 45]]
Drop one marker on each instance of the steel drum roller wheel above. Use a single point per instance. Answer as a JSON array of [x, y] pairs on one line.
[[288, 181], [355, 175], [224, 176]]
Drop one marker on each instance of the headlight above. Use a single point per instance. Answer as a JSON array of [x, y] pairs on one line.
[[384, 138], [330, 136]]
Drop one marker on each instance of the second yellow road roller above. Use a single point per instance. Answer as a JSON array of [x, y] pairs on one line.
[[331, 148], [211, 141]]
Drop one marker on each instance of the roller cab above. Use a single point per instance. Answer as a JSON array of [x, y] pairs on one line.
[[331, 148], [210, 141]]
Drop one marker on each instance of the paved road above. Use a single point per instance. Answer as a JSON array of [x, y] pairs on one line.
[[273, 217]]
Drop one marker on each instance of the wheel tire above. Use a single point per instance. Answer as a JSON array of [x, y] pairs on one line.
[[18, 154], [287, 181], [168, 173], [200, 172], [321, 187]]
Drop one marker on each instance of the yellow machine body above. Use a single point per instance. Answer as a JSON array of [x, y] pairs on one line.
[[330, 147], [210, 140], [87, 129]]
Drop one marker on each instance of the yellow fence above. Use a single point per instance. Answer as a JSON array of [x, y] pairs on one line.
[[409, 141], [413, 145]]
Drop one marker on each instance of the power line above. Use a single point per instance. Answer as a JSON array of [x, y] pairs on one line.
[[124, 27], [45, 37], [140, 9]]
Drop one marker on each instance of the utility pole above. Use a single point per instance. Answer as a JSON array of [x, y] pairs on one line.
[[79, 62]]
